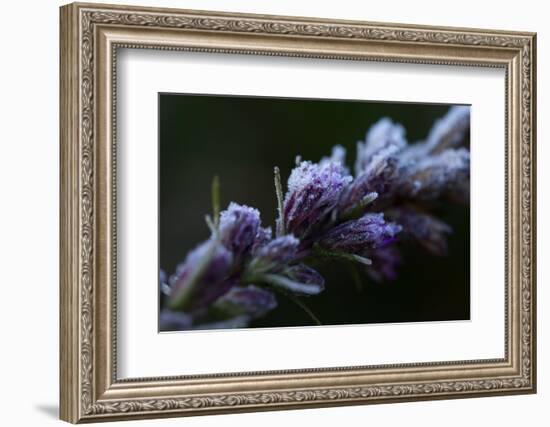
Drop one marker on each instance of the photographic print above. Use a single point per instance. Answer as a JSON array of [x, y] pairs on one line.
[[282, 212], [331, 228]]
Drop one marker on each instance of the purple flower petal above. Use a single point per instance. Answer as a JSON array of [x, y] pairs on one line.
[[383, 139], [263, 236], [338, 156], [436, 175], [384, 263], [356, 236], [449, 131], [250, 300], [236, 322], [274, 255], [298, 279], [313, 192], [239, 226], [164, 288], [201, 278], [378, 179], [425, 228], [174, 320]]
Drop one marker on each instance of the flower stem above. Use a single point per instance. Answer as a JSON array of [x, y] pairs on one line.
[[300, 304], [342, 255], [183, 297], [280, 228], [216, 199]]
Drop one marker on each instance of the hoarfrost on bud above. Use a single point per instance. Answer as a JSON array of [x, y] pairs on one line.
[[229, 280], [356, 236], [384, 139], [313, 192], [202, 277], [338, 156], [450, 130], [433, 176], [275, 254], [239, 226]]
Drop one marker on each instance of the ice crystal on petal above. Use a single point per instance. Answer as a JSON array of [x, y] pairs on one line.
[[447, 132], [239, 226], [379, 178], [356, 236], [436, 175], [338, 156], [384, 139], [263, 236], [450, 130], [275, 254], [313, 192]]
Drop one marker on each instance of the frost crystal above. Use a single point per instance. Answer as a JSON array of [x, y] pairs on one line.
[[355, 236], [239, 226], [313, 192]]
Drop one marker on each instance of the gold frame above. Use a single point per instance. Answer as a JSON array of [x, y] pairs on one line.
[[90, 36]]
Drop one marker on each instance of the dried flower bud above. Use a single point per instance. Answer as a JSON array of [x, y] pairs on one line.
[[378, 181], [313, 192], [275, 255], [338, 156], [175, 320], [425, 228], [383, 139], [180, 321], [450, 130], [239, 226], [263, 236], [384, 263], [433, 176], [447, 132], [202, 277], [356, 236], [250, 300]]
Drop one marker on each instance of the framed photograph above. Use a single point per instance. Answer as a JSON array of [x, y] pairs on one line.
[[265, 212]]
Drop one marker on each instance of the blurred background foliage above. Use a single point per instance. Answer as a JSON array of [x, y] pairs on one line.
[[241, 139]]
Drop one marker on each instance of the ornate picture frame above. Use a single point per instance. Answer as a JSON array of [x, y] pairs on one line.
[[90, 37]]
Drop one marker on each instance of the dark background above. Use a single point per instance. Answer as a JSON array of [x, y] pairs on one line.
[[241, 139]]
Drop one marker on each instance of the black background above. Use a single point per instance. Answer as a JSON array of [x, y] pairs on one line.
[[241, 139]]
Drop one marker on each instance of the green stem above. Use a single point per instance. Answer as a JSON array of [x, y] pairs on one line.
[[180, 300], [306, 309], [216, 199], [342, 255], [280, 228], [359, 208], [300, 304]]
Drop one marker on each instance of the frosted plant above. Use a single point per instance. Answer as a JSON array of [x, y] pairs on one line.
[[233, 277]]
